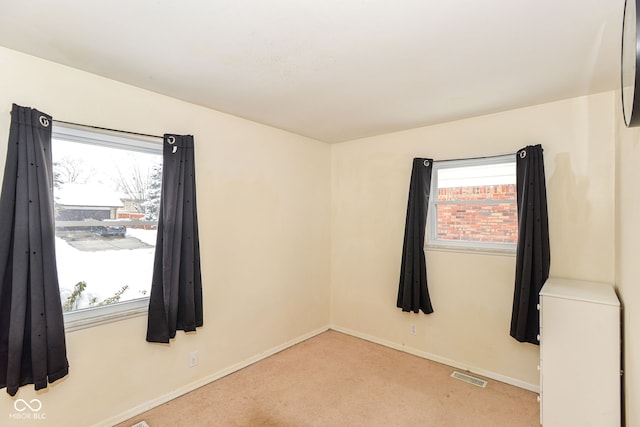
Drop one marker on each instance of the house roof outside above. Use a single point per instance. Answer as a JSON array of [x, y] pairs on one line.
[[88, 195]]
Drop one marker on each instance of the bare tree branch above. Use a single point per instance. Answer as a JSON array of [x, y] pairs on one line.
[[72, 170]]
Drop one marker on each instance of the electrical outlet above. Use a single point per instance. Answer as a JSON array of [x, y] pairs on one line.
[[193, 359], [412, 329]]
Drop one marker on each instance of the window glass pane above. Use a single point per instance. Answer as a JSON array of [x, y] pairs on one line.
[[106, 207], [475, 204]]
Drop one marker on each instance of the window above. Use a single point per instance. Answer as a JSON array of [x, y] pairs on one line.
[[473, 205], [106, 198]]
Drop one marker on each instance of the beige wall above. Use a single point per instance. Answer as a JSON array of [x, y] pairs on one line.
[[628, 259], [471, 293], [263, 198]]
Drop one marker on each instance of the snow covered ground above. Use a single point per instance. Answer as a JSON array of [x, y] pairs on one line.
[[106, 272]]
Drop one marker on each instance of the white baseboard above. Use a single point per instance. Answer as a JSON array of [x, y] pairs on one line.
[[445, 361], [205, 380], [270, 352]]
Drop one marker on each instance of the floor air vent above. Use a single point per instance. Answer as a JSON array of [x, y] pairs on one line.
[[469, 379]]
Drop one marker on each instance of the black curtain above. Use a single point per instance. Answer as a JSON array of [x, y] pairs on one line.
[[32, 341], [175, 302], [533, 257], [413, 294]]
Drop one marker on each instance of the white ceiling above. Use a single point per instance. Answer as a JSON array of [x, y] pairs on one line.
[[333, 70]]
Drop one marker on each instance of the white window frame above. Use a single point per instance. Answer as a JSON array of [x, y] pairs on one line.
[[94, 316], [432, 242]]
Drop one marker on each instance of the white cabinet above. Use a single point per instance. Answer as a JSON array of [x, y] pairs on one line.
[[579, 354]]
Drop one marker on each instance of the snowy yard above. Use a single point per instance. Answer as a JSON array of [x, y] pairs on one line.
[[106, 272]]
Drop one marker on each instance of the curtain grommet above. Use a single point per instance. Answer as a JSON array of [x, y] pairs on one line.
[[523, 154], [44, 121], [171, 140], [426, 163]]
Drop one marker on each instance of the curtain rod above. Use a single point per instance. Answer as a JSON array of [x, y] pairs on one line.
[[475, 158], [109, 129]]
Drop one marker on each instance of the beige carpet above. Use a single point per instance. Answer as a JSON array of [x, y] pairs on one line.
[[338, 380]]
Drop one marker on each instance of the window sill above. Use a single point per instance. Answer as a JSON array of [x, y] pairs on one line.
[[90, 317], [508, 252]]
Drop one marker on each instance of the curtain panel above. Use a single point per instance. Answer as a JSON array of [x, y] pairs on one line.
[[533, 257], [413, 293], [32, 341], [175, 302]]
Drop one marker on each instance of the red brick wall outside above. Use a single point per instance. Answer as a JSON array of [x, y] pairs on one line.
[[491, 223], [134, 216], [130, 215]]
